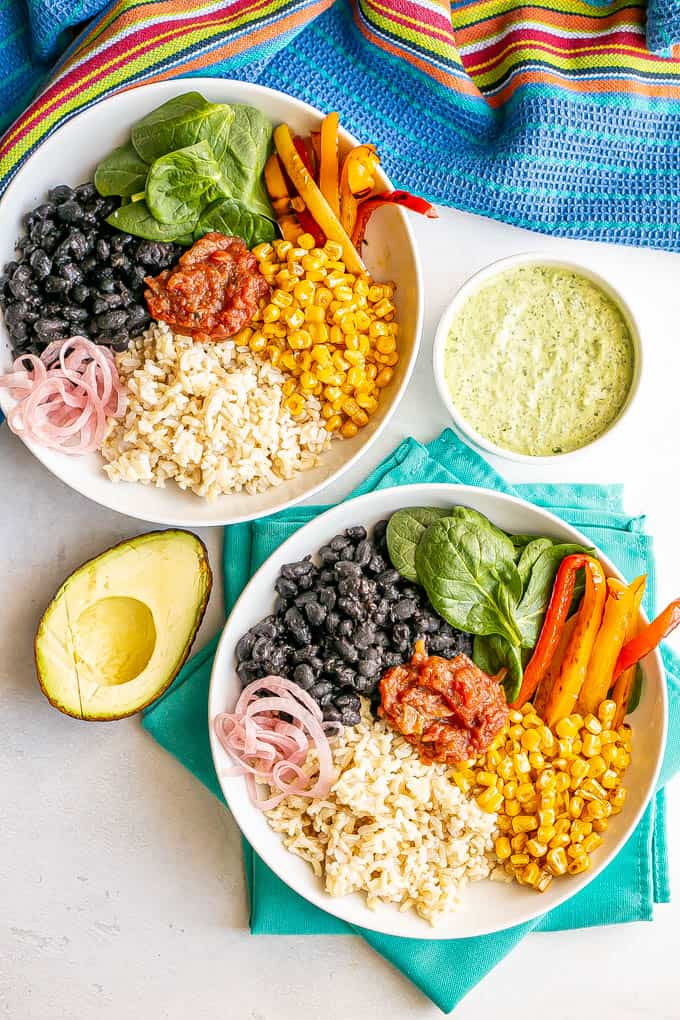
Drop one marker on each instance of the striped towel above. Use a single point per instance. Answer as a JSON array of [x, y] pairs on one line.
[[549, 114]]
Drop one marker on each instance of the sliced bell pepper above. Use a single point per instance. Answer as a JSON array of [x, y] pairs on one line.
[[275, 180], [610, 639], [407, 201], [648, 638], [572, 674], [357, 180], [317, 205], [553, 624], [623, 688], [329, 173], [550, 676]]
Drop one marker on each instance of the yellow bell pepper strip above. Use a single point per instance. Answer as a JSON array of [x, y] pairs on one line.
[[402, 198], [648, 638], [329, 173], [547, 683], [608, 643], [275, 180], [572, 674], [357, 180], [615, 587], [623, 688], [317, 205], [553, 624]]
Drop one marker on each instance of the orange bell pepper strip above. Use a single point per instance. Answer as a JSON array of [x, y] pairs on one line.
[[329, 172], [623, 688], [547, 683], [648, 638], [315, 202], [555, 617], [618, 613], [572, 674], [357, 180]]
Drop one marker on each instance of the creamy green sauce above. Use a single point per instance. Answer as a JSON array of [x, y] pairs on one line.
[[539, 360]]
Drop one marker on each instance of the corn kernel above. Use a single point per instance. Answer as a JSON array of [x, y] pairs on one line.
[[490, 799], [580, 864], [536, 847], [576, 805], [544, 833], [521, 763], [486, 778], [592, 790], [524, 823], [383, 378], [295, 404], [546, 780], [606, 712], [546, 816], [556, 860], [349, 431], [592, 842], [566, 728], [610, 779], [512, 807], [333, 423], [561, 839], [258, 342], [536, 760], [519, 841], [591, 745], [503, 823], [531, 873], [502, 848], [519, 860], [544, 880]]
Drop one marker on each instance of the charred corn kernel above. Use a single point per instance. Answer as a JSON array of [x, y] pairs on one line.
[[521, 763], [591, 745], [524, 823], [295, 404], [606, 712], [559, 840], [530, 740], [557, 861], [519, 860], [525, 792], [576, 805], [502, 848], [308, 381], [596, 766], [486, 778], [617, 800], [257, 342], [294, 317], [536, 848], [490, 799], [519, 841], [334, 422], [610, 779], [592, 842], [546, 781], [531, 873], [544, 833], [566, 728]]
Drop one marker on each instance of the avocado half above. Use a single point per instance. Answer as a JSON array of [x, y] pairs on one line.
[[119, 629]]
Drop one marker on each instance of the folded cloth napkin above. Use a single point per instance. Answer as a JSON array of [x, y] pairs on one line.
[[562, 122], [444, 970]]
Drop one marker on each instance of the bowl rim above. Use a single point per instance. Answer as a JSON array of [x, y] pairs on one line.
[[223, 660], [469, 286], [165, 89]]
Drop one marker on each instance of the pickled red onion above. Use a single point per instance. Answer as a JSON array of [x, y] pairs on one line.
[[271, 750], [65, 396]]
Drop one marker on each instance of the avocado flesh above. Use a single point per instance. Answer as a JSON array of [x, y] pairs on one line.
[[119, 628]]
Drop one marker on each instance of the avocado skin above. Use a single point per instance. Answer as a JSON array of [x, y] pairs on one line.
[[206, 572]]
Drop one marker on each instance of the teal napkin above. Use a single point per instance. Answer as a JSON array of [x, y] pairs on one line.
[[444, 970]]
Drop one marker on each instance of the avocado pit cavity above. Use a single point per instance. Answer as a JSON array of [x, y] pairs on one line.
[[115, 637]]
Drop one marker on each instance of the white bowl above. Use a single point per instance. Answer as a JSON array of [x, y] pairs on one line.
[[463, 427], [486, 906], [70, 156]]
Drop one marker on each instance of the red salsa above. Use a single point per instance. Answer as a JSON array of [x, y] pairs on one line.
[[213, 291], [447, 708]]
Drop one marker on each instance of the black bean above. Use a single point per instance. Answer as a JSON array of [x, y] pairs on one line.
[[364, 552], [328, 555], [327, 597], [333, 621], [51, 329], [55, 285], [388, 578], [356, 533], [315, 613], [288, 589], [346, 649], [111, 320], [380, 531], [304, 676], [339, 543], [86, 192], [377, 564], [41, 264], [244, 646], [404, 609], [321, 688], [293, 571], [69, 211], [331, 714], [297, 626]]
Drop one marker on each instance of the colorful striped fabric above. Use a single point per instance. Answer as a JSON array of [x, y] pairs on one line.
[[552, 115]]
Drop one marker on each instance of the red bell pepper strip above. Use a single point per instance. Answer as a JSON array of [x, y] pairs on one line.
[[555, 618], [648, 638], [305, 218], [402, 198]]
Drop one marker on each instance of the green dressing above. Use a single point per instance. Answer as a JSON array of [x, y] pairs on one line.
[[539, 360]]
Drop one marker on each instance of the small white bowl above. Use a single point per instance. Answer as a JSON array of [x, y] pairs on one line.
[[471, 285]]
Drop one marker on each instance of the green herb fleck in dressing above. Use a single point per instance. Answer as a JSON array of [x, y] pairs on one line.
[[539, 360]]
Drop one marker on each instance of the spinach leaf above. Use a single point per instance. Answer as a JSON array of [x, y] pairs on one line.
[[405, 528], [470, 576], [519, 541], [181, 184], [231, 217], [179, 123], [530, 553], [121, 173], [242, 155], [636, 693], [492, 652], [135, 218], [538, 587]]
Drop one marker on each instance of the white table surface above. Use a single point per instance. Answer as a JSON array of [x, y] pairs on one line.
[[121, 892]]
